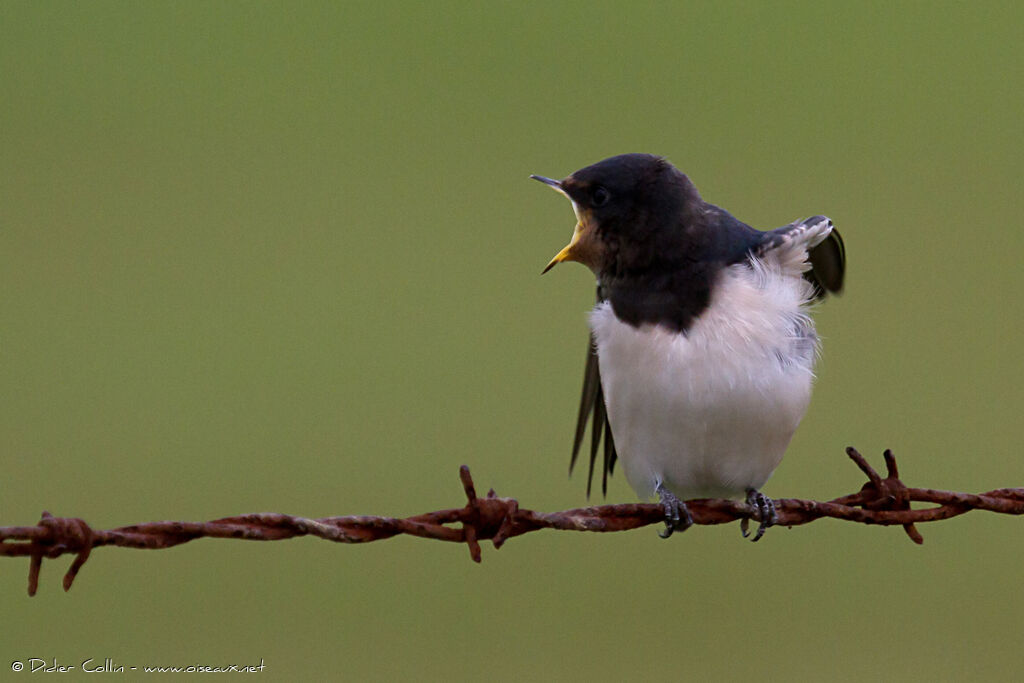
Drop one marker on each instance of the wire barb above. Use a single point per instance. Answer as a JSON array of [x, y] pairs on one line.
[[883, 501]]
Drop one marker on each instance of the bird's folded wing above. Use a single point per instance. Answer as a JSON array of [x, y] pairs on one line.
[[592, 407]]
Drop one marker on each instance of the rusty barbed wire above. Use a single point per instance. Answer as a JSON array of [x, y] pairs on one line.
[[884, 501]]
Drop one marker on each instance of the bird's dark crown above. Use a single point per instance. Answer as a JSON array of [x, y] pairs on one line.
[[639, 205]]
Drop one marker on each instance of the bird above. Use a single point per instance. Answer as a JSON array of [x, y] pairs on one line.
[[701, 356]]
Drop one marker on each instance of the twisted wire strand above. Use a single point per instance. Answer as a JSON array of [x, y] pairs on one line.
[[882, 500]]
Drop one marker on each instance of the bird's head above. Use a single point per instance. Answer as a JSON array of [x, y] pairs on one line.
[[622, 205]]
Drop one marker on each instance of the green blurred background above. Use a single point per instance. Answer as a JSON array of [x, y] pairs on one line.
[[285, 257]]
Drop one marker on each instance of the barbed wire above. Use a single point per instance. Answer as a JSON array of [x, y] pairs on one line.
[[884, 501]]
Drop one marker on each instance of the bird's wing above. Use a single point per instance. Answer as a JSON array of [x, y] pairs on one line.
[[592, 403], [818, 238]]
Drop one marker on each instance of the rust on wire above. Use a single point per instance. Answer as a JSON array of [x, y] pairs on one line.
[[883, 501]]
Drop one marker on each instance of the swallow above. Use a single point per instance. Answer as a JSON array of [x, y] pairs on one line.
[[702, 350]]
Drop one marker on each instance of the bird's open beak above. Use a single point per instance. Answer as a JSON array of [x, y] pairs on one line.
[[571, 251], [568, 252]]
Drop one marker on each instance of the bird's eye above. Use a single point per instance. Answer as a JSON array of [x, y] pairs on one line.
[[600, 196]]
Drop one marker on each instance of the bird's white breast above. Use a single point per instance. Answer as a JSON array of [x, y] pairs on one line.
[[710, 413]]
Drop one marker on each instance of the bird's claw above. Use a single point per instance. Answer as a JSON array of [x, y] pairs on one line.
[[762, 508], [677, 515]]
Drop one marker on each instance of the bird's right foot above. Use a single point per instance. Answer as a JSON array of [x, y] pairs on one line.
[[764, 512], [677, 515]]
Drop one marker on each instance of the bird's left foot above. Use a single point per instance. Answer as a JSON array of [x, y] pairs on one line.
[[677, 515], [763, 510]]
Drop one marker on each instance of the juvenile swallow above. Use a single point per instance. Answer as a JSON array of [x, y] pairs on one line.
[[702, 351]]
